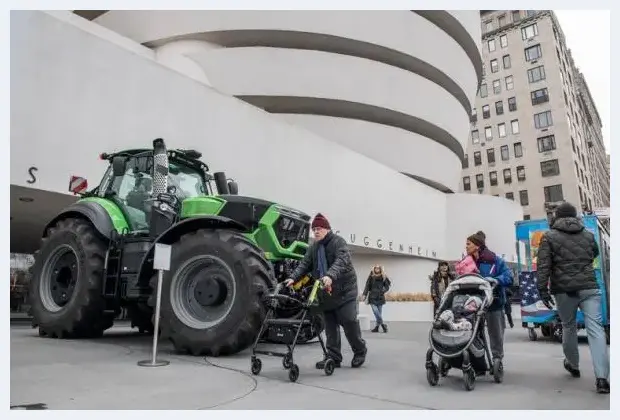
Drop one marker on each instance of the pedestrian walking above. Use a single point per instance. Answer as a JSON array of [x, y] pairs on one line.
[[377, 285], [491, 265], [329, 259], [565, 257], [439, 282]]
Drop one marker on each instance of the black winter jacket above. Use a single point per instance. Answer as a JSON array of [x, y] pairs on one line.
[[376, 288], [565, 257], [339, 269]]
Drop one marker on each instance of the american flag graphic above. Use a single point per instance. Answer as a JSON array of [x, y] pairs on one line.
[[529, 290], [532, 307]]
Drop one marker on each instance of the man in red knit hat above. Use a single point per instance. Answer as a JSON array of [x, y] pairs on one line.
[[329, 259]]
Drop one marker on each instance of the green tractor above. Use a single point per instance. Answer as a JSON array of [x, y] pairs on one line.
[[228, 251]]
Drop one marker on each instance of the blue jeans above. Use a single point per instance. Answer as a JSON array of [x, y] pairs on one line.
[[589, 301], [376, 310]]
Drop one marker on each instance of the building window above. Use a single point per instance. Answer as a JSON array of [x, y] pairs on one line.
[[509, 83], [529, 31], [539, 96], [530, 13], [518, 150], [526, 217], [465, 163], [488, 26], [507, 176], [533, 53], [491, 155], [494, 66], [523, 198], [543, 119], [466, 183], [501, 21], [497, 86], [499, 107], [549, 168], [554, 193], [504, 152], [493, 178], [546, 144], [475, 137], [510, 196], [477, 159], [514, 126], [506, 60], [521, 173], [474, 116], [501, 130], [512, 104], [491, 45], [503, 40], [488, 133], [516, 15], [536, 74], [480, 181], [484, 92], [486, 111]]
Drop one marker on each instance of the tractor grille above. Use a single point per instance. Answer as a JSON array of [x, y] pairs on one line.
[[289, 230]]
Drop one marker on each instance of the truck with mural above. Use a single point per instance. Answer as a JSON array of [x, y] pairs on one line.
[[534, 314]]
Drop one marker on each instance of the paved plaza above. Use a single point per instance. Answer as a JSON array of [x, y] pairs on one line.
[[102, 374]]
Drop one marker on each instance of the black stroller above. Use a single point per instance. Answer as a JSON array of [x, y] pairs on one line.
[[464, 344], [288, 330]]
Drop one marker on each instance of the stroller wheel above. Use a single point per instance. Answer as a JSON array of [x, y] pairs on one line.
[[444, 367], [287, 361], [432, 375], [469, 379], [329, 367], [498, 371], [257, 365], [293, 373]]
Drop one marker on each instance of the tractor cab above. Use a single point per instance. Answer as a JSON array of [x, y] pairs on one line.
[[149, 186]]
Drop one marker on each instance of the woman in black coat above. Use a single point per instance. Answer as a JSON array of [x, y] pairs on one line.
[[377, 286]]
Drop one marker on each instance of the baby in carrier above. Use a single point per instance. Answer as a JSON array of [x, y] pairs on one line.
[[460, 317]]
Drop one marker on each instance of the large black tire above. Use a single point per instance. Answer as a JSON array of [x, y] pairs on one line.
[[231, 262], [82, 316]]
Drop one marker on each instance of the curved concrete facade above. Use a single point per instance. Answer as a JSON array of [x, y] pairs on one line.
[[338, 112]]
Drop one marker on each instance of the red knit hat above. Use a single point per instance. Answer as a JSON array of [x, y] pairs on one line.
[[320, 221]]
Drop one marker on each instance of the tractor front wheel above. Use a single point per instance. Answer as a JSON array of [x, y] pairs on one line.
[[211, 301], [67, 279]]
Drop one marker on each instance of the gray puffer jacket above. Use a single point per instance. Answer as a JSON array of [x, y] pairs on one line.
[[565, 257]]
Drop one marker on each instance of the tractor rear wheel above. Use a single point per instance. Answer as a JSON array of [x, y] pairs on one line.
[[67, 277], [211, 301]]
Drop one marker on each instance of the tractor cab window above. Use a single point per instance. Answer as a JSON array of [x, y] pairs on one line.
[[133, 191], [185, 182]]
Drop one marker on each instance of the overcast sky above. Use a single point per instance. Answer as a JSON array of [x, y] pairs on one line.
[[588, 37]]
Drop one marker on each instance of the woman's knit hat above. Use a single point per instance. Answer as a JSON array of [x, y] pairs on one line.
[[478, 238]]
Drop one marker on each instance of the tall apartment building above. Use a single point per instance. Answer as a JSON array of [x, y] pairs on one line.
[[535, 133]]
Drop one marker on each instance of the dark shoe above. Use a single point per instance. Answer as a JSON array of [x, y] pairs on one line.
[[358, 360], [321, 364], [376, 329], [602, 386], [385, 329], [575, 373]]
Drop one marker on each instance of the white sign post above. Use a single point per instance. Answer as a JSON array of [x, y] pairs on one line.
[[161, 263]]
